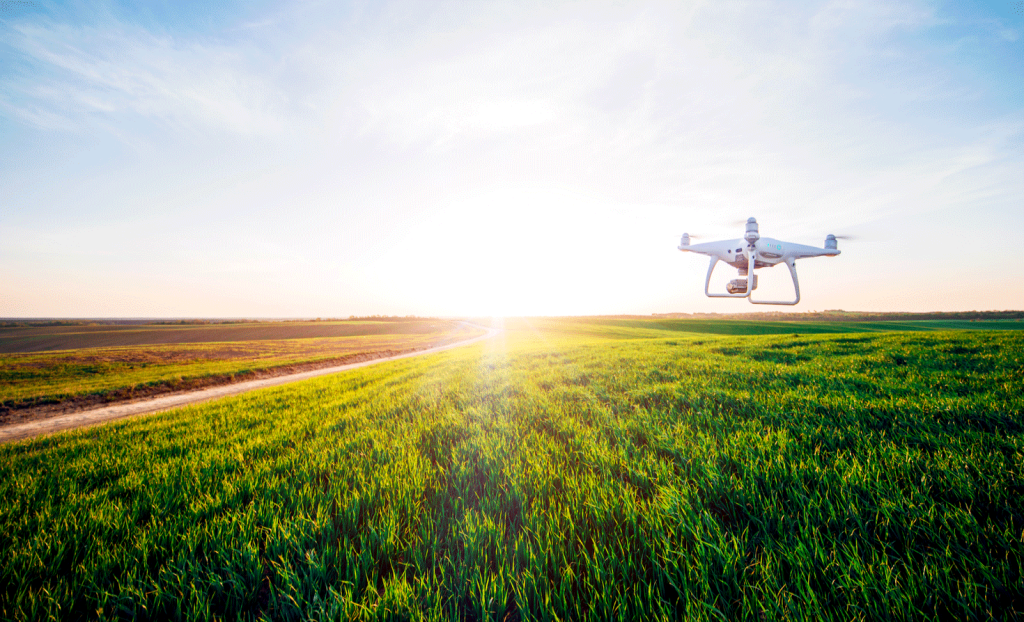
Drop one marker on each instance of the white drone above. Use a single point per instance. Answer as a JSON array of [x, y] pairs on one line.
[[752, 252]]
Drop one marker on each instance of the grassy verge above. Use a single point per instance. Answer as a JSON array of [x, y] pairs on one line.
[[551, 476]]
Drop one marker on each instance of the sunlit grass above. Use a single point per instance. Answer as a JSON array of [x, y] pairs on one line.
[[546, 474]]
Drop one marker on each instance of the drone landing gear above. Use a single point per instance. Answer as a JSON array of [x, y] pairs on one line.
[[741, 292], [791, 264]]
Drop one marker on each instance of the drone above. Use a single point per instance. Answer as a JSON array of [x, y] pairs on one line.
[[752, 252]]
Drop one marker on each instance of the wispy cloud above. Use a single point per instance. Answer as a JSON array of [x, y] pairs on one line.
[[100, 75]]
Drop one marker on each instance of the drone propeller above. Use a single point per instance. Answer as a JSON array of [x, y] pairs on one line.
[[744, 221], [684, 240]]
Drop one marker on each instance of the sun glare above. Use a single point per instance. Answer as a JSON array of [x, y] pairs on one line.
[[519, 251]]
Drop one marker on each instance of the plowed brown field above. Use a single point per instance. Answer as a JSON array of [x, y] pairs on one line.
[[46, 338]]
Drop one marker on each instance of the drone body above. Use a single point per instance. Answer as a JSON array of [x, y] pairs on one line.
[[752, 252]]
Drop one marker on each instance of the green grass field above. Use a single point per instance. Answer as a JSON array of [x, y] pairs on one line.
[[605, 327], [566, 470]]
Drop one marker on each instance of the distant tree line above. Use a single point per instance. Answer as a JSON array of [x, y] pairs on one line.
[[388, 318], [839, 315], [831, 315]]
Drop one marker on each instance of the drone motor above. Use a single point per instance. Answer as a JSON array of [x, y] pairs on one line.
[[752, 234]]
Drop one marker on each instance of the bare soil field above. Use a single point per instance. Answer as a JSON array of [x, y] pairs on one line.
[[47, 338]]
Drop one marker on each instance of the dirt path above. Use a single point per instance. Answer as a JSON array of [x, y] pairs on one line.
[[147, 407]]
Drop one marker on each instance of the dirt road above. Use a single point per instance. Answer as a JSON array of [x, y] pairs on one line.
[[147, 407]]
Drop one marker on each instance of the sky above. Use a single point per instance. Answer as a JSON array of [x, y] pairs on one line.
[[328, 159]]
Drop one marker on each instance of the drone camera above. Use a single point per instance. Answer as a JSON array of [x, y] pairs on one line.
[[739, 286]]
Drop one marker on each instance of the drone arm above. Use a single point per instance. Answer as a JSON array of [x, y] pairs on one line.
[[791, 264]]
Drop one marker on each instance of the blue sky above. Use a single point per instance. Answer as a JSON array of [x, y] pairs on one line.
[[460, 158]]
